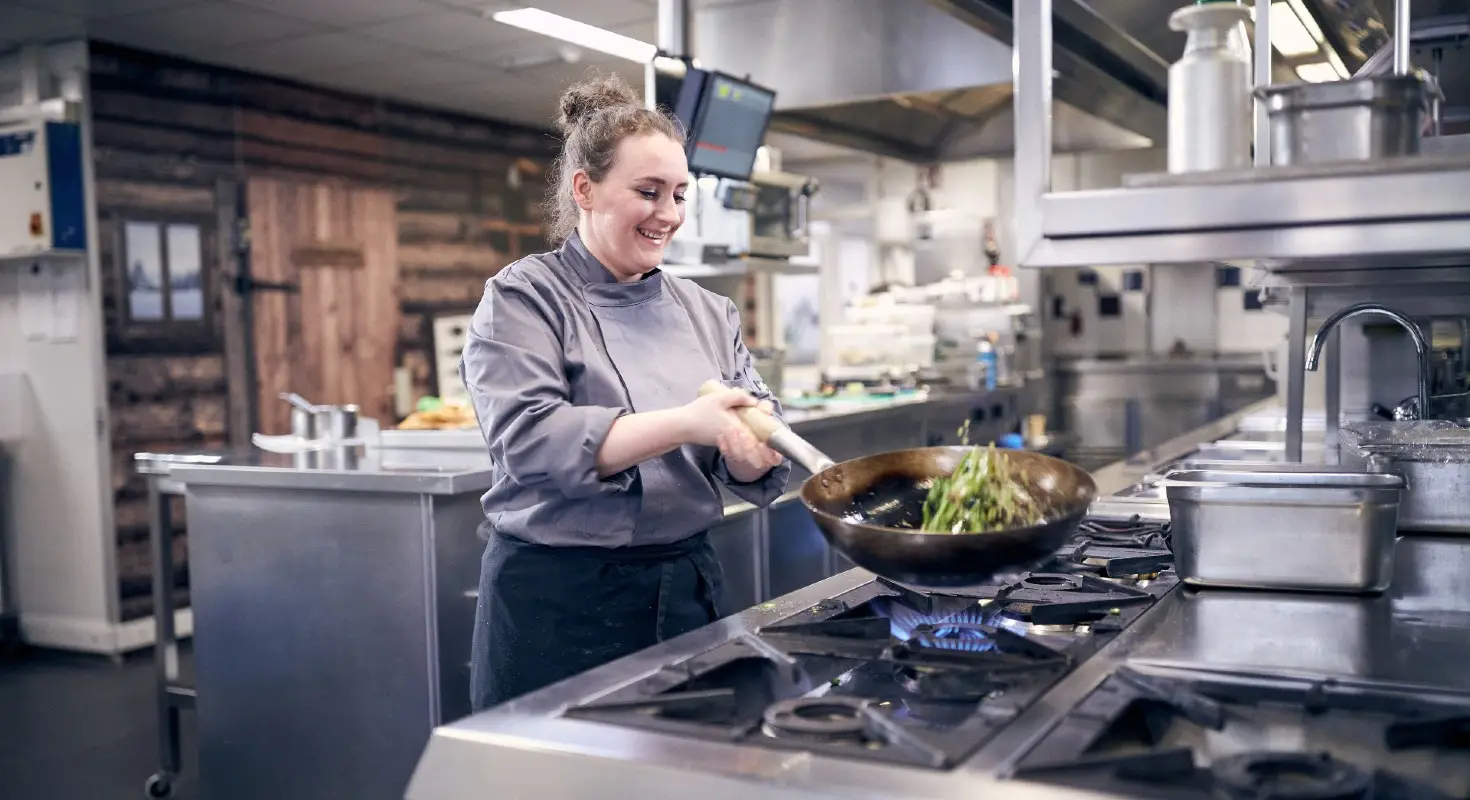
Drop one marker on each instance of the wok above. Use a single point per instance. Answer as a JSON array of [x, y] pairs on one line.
[[870, 508]]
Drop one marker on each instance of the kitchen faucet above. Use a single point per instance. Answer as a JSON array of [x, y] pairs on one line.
[[1421, 349]]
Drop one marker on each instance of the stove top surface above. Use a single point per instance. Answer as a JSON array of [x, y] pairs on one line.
[[1210, 735], [902, 674]]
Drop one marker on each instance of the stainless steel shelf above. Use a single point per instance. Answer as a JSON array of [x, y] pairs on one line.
[[1400, 213], [1291, 219], [1420, 293]]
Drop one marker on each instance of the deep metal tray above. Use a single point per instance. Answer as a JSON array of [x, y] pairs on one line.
[[1309, 531]]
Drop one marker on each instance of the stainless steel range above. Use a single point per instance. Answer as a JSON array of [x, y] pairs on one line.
[[1080, 678], [890, 673]]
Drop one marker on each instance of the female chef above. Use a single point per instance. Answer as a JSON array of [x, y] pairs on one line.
[[584, 365]]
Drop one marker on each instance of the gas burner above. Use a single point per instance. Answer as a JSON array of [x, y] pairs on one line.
[[993, 652], [1289, 776], [1050, 582], [969, 636], [830, 718], [1102, 624]]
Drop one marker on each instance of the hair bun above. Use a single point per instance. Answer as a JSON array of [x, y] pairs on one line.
[[584, 99]]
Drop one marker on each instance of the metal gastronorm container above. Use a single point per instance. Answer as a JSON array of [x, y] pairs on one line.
[[1226, 465], [1357, 120], [1437, 496], [1306, 531]]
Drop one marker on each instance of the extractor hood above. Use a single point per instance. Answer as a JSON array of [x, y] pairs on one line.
[[930, 80]]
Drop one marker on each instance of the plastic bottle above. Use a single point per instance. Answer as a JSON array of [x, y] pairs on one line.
[[986, 359], [1210, 119]]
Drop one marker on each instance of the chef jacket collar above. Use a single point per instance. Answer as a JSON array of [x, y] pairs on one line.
[[574, 251]]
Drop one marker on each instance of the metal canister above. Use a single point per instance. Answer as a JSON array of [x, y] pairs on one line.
[[1210, 89], [303, 423], [303, 416], [336, 423]]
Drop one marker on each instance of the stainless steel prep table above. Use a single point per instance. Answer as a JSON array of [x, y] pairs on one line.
[[333, 599], [173, 696]]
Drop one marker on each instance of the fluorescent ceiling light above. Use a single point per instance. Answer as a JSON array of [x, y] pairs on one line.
[[578, 33], [1288, 33], [1316, 72], [1336, 62]]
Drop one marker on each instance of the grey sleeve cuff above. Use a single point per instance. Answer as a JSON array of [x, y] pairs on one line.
[[761, 492]]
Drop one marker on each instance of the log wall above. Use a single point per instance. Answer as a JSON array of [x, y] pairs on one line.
[[173, 140]]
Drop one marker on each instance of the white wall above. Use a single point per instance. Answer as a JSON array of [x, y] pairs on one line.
[[60, 530]]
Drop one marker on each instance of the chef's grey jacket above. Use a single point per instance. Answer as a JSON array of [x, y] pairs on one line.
[[557, 351]]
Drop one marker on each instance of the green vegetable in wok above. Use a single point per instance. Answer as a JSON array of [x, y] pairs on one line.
[[981, 494]]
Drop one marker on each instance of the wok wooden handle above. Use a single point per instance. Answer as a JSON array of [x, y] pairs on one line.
[[763, 425], [774, 434]]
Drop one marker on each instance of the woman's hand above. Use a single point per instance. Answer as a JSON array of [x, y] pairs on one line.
[[704, 419], [745, 457], [711, 421]]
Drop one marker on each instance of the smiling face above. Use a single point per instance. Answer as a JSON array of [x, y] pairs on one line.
[[629, 216]]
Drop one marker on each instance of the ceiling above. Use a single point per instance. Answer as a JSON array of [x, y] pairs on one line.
[[441, 53]]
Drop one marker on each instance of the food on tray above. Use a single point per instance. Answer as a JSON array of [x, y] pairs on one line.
[[439, 416]]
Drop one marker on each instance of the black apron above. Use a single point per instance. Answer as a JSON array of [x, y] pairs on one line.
[[548, 613]]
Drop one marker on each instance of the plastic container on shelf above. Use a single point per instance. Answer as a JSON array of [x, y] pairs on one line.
[[915, 318], [866, 345], [878, 346], [919, 349]]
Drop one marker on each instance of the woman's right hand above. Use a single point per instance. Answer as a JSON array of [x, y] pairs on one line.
[[705, 418]]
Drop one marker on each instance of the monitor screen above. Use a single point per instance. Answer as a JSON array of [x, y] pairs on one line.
[[726, 121]]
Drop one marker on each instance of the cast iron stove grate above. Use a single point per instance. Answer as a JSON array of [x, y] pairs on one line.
[[1257, 737], [1058, 603], [884, 672], [1133, 548]]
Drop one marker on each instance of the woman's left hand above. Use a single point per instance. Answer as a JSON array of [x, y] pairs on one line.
[[746, 458]]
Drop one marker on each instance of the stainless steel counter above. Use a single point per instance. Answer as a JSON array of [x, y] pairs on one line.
[[1116, 407], [1176, 365], [1416, 637], [360, 469], [450, 472], [334, 597], [525, 749], [1413, 636]]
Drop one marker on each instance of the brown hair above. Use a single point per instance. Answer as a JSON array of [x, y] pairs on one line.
[[596, 115]]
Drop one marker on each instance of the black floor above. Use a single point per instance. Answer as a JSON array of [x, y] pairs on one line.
[[83, 728]]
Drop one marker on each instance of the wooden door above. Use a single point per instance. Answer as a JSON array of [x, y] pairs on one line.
[[333, 340]]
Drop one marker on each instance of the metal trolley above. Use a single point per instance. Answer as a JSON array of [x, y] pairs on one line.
[[173, 696]]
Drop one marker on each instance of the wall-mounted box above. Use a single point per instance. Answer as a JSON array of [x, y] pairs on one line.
[[43, 207]]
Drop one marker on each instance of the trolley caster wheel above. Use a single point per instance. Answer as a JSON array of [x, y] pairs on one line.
[[159, 785]]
